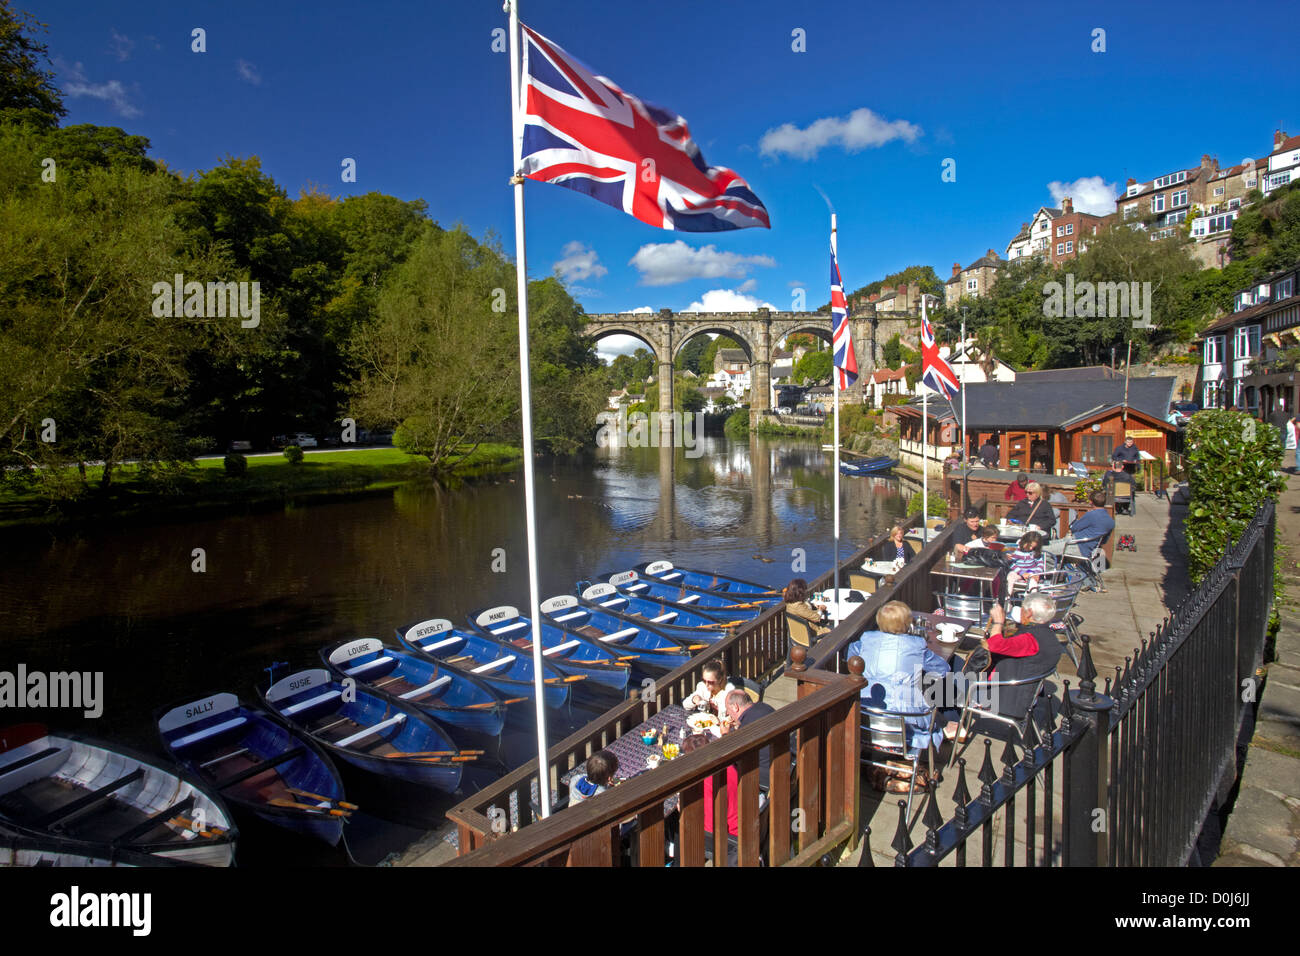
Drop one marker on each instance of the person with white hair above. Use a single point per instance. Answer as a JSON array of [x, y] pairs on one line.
[[1034, 509], [1028, 651]]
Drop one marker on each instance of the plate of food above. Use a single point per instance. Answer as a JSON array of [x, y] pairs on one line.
[[704, 724]]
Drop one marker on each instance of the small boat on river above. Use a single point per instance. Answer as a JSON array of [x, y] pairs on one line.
[[569, 652], [632, 583], [450, 696], [258, 764], [91, 798], [655, 648], [869, 466], [379, 735], [683, 623], [736, 588], [505, 669]]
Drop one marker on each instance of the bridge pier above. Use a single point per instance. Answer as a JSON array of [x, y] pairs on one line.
[[665, 384]]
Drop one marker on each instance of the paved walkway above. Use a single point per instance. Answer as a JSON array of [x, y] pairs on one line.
[[1264, 827]]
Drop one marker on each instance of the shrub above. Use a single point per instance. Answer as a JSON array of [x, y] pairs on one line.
[[737, 425], [894, 399], [294, 454], [938, 505], [1232, 466], [236, 465]]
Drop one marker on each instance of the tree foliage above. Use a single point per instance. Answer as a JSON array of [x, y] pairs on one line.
[[27, 91]]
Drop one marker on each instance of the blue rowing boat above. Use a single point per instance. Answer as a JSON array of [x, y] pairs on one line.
[[505, 669], [259, 765], [631, 582], [673, 620], [872, 466], [446, 695], [569, 652], [656, 649], [379, 735], [736, 588]]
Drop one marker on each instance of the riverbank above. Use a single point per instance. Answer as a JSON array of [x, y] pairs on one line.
[[204, 486]]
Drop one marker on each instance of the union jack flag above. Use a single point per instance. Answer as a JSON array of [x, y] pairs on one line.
[[846, 362], [582, 132], [935, 370]]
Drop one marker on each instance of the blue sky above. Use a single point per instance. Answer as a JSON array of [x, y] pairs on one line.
[[413, 92]]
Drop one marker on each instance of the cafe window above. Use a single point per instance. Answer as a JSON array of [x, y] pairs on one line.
[[1095, 448]]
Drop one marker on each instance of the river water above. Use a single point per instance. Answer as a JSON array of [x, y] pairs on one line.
[[280, 584]]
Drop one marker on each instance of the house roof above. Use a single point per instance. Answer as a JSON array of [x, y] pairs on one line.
[[1290, 143], [983, 262], [1053, 404], [1253, 311], [733, 355], [888, 374], [1149, 186], [1087, 373]]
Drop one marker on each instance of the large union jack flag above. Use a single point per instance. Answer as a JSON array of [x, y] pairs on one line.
[[583, 132], [935, 370], [846, 362]]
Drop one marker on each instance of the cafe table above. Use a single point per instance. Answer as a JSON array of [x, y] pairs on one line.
[[840, 604], [926, 625], [971, 581]]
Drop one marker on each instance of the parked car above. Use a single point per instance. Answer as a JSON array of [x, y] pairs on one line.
[[241, 446], [280, 441], [303, 440]]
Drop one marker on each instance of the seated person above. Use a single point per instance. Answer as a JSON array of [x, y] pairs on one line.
[[896, 548], [797, 603], [1016, 490], [895, 661], [1026, 561], [966, 532], [988, 538], [1090, 530], [1031, 650], [693, 743], [1034, 509], [712, 690], [601, 767]]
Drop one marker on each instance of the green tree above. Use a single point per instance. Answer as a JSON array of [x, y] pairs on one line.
[[813, 367], [27, 92], [689, 358]]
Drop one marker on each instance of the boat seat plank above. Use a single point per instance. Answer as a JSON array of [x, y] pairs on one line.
[[507, 628], [368, 665], [259, 767], [208, 732], [162, 816], [29, 760], [689, 599], [559, 619], [639, 586], [623, 634], [567, 645], [499, 662], [432, 685], [368, 731], [663, 617], [671, 576], [438, 645], [89, 800], [312, 702]]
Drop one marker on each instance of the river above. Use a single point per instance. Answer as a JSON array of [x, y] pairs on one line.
[[280, 584]]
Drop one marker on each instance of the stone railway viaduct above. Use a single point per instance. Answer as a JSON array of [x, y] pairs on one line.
[[757, 333]]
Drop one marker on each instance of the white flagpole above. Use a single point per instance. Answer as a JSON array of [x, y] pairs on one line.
[[963, 390], [925, 443], [835, 387], [530, 506]]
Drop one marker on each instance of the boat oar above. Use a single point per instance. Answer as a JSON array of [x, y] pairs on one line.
[[185, 823], [435, 753], [564, 680], [295, 805], [343, 804]]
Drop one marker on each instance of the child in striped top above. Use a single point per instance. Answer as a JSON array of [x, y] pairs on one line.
[[1026, 561]]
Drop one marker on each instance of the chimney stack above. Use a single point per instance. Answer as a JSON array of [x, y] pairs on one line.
[[956, 269], [991, 254], [902, 289], [1067, 206], [874, 296], [1279, 137], [1131, 181]]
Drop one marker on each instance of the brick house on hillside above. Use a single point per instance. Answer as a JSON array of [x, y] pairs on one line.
[[974, 281]]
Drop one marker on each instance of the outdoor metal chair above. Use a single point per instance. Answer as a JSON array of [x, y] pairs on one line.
[[969, 607], [1063, 619], [982, 694], [885, 735], [801, 631], [859, 581]]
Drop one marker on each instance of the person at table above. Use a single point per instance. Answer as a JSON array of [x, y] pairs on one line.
[[1034, 509], [1116, 473], [1016, 490], [1017, 654], [894, 661], [896, 548], [990, 454], [740, 711], [797, 603], [690, 745], [1026, 561], [1090, 529], [601, 767], [988, 538], [966, 532], [1127, 455], [712, 689]]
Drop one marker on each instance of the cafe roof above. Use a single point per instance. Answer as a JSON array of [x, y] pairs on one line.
[[1057, 405]]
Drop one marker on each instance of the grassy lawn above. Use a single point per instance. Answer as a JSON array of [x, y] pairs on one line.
[[205, 483]]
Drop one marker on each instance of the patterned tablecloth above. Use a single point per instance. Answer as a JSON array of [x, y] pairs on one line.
[[632, 752]]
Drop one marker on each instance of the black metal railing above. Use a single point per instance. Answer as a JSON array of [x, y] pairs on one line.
[[1141, 763]]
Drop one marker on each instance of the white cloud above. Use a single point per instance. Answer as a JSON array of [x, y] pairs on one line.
[[726, 300], [612, 345], [1089, 194], [120, 46], [638, 311], [248, 73], [861, 129], [113, 92], [749, 285], [579, 262], [666, 263]]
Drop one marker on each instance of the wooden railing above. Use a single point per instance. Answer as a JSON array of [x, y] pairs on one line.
[[811, 808], [504, 807]]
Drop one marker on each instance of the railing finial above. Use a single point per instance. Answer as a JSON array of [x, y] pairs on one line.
[[902, 844], [961, 794], [987, 775], [1087, 671]]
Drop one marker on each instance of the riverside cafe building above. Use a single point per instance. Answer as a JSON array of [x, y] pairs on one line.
[[1044, 425]]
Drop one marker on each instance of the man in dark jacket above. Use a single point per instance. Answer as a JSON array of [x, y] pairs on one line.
[[990, 454], [1034, 509], [1128, 455], [1033, 650], [741, 711]]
